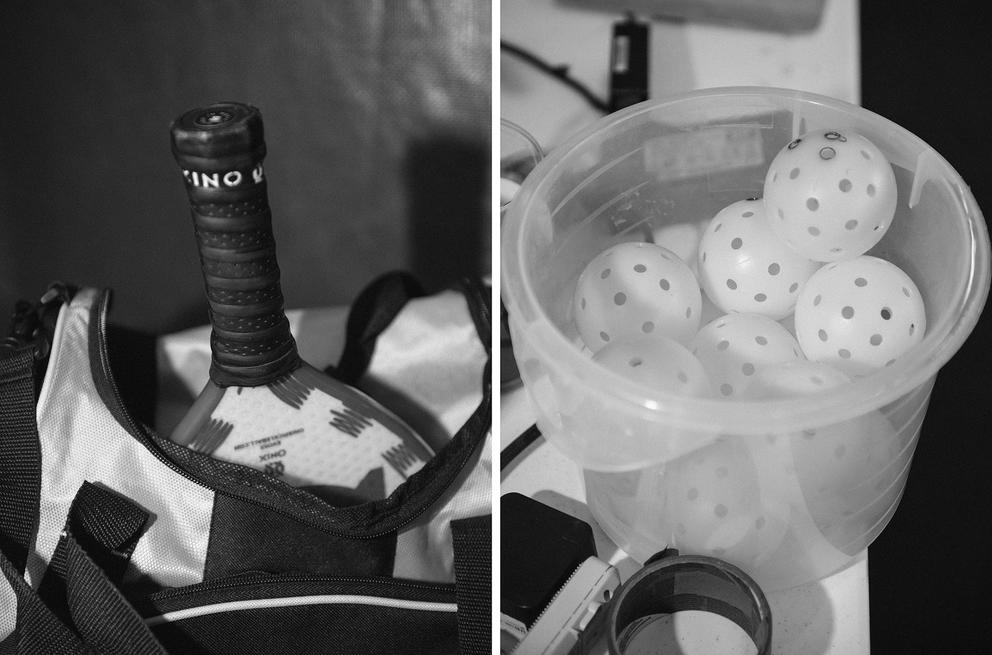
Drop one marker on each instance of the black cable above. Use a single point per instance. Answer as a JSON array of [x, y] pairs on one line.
[[518, 445], [560, 73]]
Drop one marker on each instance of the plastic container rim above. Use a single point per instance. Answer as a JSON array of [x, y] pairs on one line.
[[942, 341]]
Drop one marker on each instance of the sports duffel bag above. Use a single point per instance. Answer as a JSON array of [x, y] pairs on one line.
[[114, 539]]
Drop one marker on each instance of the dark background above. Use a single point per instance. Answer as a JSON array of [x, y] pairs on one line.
[[928, 67], [377, 119]]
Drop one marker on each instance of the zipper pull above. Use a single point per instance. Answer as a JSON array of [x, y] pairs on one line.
[[32, 323]]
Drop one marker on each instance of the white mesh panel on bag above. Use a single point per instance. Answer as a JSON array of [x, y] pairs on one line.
[[82, 441]]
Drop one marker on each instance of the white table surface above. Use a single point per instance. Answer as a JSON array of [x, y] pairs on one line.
[[829, 617]]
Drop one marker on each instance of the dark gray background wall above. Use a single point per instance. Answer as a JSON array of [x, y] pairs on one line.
[[377, 117], [926, 66]]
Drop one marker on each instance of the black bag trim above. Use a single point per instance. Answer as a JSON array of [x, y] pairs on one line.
[[20, 456], [364, 521]]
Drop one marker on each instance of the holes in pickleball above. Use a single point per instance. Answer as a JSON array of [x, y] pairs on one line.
[[813, 230], [717, 228], [844, 353], [760, 297], [664, 284], [912, 328], [647, 327], [844, 185], [692, 494], [761, 341], [851, 224], [747, 368], [794, 173], [722, 472], [683, 378], [905, 292], [720, 510], [619, 298], [827, 153], [817, 299], [604, 336], [860, 282], [847, 312], [747, 214], [582, 304], [774, 268], [870, 190], [635, 362], [605, 274], [875, 340], [781, 215], [704, 258], [823, 335], [816, 379], [793, 287], [886, 313], [640, 268], [726, 389], [723, 345], [688, 312], [759, 523], [812, 204], [737, 243], [731, 284], [864, 153]]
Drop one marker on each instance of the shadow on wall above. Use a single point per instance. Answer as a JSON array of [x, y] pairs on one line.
[[449, 189]]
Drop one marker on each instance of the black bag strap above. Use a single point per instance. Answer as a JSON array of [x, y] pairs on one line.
[[380, 303], [472, 538], [20, 456], [38, 631], [80, 585], [371, 313]]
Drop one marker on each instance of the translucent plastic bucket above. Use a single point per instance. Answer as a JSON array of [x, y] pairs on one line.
[[809, 481]]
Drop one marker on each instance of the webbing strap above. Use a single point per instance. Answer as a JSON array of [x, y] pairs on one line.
[[80, 584], [38, 631], [20, 456], [370, 314], [472, 538]]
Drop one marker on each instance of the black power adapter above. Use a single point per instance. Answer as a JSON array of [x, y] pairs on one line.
[[628, 64]]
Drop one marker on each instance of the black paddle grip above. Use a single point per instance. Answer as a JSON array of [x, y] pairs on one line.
[[220, 149]]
